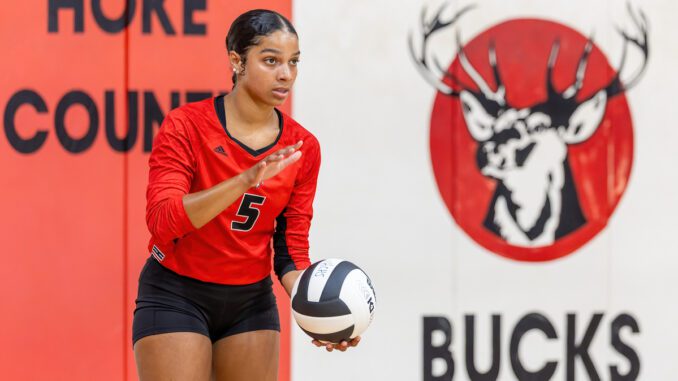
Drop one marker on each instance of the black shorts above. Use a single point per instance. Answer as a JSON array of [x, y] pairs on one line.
[[169, 302]]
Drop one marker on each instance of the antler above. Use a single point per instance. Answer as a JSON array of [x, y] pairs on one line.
[[425, 69], [566, 101], [616, 85], [496, 96], [572, 91]]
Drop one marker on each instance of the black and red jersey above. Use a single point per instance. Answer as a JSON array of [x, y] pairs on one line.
[[194, 151]]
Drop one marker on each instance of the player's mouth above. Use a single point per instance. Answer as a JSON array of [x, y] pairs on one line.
[[281, 92]]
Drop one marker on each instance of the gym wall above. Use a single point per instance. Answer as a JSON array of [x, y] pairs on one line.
[[462, 292], [401, 192], [85, 86]]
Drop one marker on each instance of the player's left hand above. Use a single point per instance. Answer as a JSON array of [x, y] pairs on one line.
[[343, 346]]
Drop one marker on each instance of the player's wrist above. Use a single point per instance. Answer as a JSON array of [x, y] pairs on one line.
[[243, 181], [289, 279]]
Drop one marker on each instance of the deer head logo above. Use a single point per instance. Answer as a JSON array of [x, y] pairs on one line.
[[525, 149]]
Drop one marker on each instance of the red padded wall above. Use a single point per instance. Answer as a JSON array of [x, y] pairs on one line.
[[73, 229]]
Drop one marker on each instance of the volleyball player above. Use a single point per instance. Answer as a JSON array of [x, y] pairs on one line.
[[228, 176]]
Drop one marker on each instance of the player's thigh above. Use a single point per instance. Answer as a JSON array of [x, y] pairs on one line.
[[174, 356], [247, 356]]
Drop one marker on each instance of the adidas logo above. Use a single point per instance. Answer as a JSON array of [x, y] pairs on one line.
[[220, 150]]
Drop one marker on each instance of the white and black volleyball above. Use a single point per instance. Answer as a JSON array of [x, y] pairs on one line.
[[333, 300]]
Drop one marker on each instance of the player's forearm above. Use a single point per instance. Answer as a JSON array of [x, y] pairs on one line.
[[201, 207]]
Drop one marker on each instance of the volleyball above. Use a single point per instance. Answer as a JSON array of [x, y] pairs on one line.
[[333, 300]]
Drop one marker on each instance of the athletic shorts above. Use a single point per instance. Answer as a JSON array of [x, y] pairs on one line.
[[169, 302]]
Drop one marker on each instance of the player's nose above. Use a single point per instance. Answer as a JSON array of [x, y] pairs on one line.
[[285, 73]]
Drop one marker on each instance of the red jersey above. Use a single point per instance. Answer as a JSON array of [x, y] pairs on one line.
[[194, 151]]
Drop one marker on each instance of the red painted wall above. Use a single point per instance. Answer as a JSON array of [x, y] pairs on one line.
[[73, 229]]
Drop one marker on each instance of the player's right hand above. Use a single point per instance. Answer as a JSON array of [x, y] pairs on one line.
[[343, 346], [271, 165]]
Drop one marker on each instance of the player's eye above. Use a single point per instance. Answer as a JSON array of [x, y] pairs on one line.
[[270, 60], [294, 61]]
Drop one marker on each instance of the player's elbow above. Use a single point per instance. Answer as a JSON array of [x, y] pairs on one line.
[[167, 219], [157, 229]]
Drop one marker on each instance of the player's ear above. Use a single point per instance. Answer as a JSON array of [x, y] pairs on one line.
[[235, 60]]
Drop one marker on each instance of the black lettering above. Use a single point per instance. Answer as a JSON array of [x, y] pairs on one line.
[[618, 323], [195, 96], [114, 25], [53, 14], [156, 6], [70, 99], [533, 321], [153, 115], [493, 372], [581, 349], [18, 99], [132, 116], [431, 324], [174, 99], [190, 27], [127, 142]]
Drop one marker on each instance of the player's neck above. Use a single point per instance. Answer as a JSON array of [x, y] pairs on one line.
[[246, 111]]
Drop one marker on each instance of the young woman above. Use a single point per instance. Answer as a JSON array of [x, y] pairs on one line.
[[228, 176]]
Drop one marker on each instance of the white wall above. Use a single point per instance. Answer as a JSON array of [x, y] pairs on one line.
[[378, 204]]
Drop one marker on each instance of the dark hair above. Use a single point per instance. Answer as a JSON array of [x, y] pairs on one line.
[[248, 29]]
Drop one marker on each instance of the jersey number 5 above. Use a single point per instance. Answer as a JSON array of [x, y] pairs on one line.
[[250, 213]]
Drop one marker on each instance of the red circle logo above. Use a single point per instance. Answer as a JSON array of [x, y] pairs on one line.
[[531, 139]]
